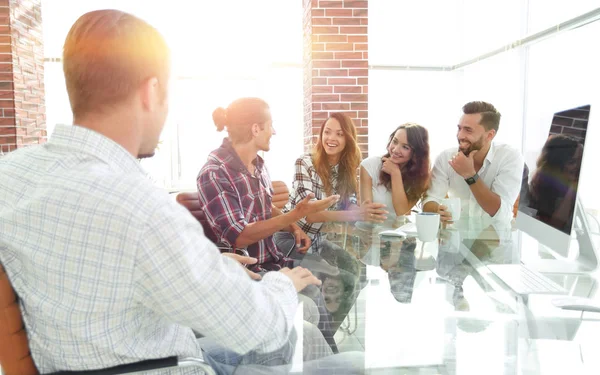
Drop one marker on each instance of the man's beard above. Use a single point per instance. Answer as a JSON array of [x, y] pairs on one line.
[[478, 145], [145, 156]]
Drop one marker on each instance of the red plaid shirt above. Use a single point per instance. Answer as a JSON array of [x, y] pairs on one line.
[[232, 198]]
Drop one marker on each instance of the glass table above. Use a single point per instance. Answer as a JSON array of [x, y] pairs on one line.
[[436, 308]]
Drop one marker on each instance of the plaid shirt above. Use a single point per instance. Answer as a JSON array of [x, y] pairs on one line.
[[110, 269], [306, 181], [232, 198]]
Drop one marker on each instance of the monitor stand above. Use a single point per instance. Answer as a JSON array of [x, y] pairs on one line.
[[582, 244]]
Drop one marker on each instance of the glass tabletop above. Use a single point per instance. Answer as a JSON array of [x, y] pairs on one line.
[[436, 307]]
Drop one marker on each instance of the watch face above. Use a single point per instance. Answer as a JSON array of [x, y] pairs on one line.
[[471, 180]]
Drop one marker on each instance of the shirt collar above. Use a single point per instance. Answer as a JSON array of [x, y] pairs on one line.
[[491, 153], [80, 139], [227, 155]]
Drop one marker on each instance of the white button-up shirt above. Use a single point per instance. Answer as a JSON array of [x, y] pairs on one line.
[[502, 173], [111, 270]]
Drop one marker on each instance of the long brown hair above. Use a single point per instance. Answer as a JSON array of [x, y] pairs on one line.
[[347, 183], [415, 173]]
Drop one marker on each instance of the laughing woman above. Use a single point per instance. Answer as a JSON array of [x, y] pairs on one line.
[[401, 177], [331, 169]]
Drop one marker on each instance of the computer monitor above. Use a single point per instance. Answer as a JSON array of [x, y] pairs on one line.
[[549, 208]]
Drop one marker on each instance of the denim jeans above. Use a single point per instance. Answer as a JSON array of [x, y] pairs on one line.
[[317, 357]]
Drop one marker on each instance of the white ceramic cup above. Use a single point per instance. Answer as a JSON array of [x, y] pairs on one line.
[[428, 224], [453, 206]]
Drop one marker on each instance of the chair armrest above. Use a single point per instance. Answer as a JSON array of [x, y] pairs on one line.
[[196, 362], [148, 365]]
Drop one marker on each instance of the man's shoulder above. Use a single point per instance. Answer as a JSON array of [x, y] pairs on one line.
[[215, 174], [216, 161], [506, 148], [124, 191], [137, 199], [507, 153]]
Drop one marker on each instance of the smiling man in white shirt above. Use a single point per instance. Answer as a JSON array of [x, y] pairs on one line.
[[484, 175]]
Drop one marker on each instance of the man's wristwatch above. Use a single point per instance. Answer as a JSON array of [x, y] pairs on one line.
[[472, 180]]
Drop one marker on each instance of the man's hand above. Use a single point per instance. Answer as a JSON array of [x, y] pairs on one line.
[[301, 277], [244, 261], [309, 206], [373, 212], [463, 165], [301, 238], [390, 167]]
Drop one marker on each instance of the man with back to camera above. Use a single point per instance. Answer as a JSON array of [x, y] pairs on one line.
[[486, 176], [109, 269]]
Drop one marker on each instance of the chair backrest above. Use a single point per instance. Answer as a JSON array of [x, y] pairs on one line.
[[15, 358], [190, 201], [281, 194]]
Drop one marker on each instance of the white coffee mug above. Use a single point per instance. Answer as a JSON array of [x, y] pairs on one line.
[[428, 224], [452, 206]]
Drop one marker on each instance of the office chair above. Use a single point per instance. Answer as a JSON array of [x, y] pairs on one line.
[[190, 201], [15, 357]]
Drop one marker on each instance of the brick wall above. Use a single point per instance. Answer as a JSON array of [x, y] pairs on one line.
[[572, 122], [336, 75], [22, 110]]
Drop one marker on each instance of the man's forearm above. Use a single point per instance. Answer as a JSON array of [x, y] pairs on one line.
[[333, 216], [276, 212], [488, 200], [259, 230]]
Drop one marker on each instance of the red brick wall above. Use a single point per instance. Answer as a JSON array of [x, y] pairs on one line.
[[22, 110], [573, 122], [336, 75]]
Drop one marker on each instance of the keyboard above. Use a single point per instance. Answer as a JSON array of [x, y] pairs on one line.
[[524, 280]]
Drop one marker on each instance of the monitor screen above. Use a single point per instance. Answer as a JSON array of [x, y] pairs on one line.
[[549, 192]]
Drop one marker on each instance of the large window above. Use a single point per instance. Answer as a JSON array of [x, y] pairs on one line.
[[222, 50], [192, 133], [415, 48], [413, 32], [430, 57], [563, 73], [427, 98]]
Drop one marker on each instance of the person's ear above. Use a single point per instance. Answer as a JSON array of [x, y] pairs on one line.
[[150, 93], [255, 129]]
